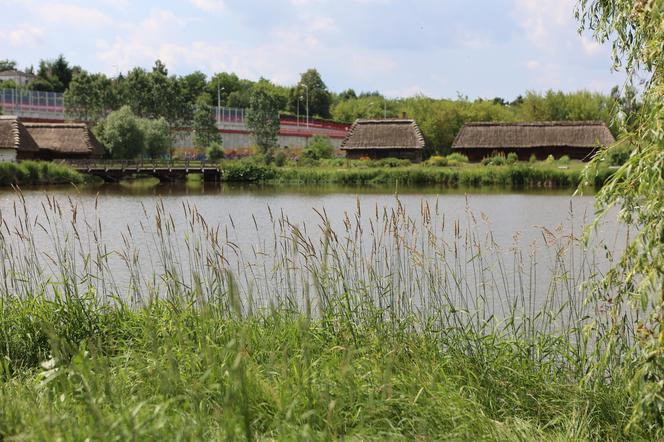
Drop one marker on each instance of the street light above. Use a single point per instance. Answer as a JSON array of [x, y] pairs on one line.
[[219, 89], [299, 98], [307, 87]]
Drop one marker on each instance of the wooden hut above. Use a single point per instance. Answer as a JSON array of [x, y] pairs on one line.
[[576, 139], [65, 141], [15, 141], [376, 139]]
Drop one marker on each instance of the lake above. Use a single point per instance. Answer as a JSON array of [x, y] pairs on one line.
[[129, 240]]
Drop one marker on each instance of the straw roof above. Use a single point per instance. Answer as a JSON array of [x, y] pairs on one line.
[[65, 138], [528, 135], [13, 135], [383, 134]]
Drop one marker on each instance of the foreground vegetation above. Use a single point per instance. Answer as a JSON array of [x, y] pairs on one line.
[[398, 326]]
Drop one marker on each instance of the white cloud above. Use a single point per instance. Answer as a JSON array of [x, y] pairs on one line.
[[544, 20], [210, 5], [24, 36], [532, 64], [79, 16]]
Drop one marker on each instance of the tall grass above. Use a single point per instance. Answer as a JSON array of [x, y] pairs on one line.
[[392, 326]]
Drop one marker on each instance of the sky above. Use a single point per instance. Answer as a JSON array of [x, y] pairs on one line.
[[439, 48]]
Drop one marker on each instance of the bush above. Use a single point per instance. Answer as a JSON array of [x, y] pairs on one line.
[[319, 147], [564, 160], [550, 159], [280, 159], [247, 170], [437, 161], [496, 160], [512, 158], [390, 162], [37, 172], [533, 159], [215, 152], [457, 158]]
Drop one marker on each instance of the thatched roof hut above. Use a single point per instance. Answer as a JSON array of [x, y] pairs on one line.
[[577, 139], [65, 140], [15, 141], [375, 139]]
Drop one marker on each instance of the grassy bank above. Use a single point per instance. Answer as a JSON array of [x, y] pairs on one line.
[[468, 175], [393, 327], [36, 173]]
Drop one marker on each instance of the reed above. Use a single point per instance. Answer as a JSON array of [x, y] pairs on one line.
[[389, 325]]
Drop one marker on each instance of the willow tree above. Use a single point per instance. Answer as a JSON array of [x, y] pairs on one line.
[[636, 30]]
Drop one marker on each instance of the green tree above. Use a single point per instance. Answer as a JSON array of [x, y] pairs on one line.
[[204, 124], [157, 137], [89, 96], [122, 134], [263, 117], [636, 29], [54, 75], [8, 65], [311, 85]]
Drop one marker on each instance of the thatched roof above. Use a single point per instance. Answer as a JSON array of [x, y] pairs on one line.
[[527, 135], [65, 138], [13, 135], [383, 134]]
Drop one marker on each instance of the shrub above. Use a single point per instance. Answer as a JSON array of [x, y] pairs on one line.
[[457, 158], [564, 160], [391, 162], [533, 159], [319, 147], [215, 152], [512, 158], [280, 159], [550, 159], [247, 170], [496, 160], [437, 161]]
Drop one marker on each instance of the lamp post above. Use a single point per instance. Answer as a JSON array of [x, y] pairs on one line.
[[307, 87], [219, 89]]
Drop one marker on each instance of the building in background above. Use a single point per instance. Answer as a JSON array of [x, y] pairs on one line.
[[20, 78], [65, 141], [389, 138], [576, 139], [15, 141]]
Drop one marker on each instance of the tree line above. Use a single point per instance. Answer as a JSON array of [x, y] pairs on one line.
[[186, 101]]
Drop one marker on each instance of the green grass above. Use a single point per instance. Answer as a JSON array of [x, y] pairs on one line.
[[362, 333], [518, 175], [37, 173]]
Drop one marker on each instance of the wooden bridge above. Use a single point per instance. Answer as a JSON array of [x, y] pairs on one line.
[[113, 171]]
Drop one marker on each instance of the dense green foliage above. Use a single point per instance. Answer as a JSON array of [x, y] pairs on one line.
[[156, 137], [310, 91], [37, 172], [636, 29], [318, 147], [214, 152], [126, 136], [204, 125], [122, 134], [263, 117]]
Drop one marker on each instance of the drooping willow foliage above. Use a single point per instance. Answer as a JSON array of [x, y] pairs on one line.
[[636, 30]]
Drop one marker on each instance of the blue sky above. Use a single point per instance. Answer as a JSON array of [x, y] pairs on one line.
[[439, 48]]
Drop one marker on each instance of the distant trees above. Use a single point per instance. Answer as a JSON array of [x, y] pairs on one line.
[[89, 96], [312, 86], [318, 147], [263, 116], [7, 65]]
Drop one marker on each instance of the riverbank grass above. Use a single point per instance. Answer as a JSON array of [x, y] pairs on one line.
[[38, 173], [168, 371]]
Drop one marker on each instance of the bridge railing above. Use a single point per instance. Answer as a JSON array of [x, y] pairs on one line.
[[142, 164]]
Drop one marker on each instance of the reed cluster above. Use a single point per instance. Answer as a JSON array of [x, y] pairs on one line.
[[389, 326]]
